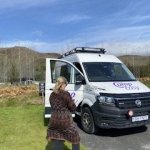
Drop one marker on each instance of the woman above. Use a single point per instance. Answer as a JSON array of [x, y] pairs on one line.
[[61, 126]]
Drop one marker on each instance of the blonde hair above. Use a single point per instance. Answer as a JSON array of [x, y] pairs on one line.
[[59, 82]]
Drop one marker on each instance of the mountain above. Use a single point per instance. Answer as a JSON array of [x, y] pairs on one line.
[[23, 52]]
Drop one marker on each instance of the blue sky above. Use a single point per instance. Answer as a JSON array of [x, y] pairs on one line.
[[120, 26]]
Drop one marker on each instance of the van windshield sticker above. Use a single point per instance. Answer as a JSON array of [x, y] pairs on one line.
[[127, 86]]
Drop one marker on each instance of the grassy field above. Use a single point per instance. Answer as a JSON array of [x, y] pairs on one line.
[[21, 124]]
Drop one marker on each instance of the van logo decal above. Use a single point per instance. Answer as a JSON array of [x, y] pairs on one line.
[[127, 86], [72, 94], [138, 103]]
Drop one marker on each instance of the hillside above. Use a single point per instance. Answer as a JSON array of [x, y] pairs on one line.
[[25, 52], [22, 63]]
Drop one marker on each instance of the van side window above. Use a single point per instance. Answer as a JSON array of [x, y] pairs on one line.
[[59, 68], [77, 75], [65, 72], [78, 66]]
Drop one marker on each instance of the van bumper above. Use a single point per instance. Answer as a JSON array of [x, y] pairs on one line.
[[120, 120]]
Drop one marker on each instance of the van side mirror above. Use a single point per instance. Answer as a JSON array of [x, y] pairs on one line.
[[79, 79]]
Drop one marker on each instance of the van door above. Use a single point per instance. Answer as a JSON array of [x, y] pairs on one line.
[[56, 68]]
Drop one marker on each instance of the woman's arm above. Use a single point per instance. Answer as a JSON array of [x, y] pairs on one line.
[[70, 103]]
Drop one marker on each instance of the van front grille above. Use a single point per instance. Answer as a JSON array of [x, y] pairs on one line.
[[126, 103]]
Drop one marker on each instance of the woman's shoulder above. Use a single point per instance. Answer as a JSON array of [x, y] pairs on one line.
[[64, 92], [53, 94]]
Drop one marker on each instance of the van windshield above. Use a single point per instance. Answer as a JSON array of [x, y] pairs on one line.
[[107, 71]]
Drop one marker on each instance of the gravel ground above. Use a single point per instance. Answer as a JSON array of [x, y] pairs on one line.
[[113, 139]]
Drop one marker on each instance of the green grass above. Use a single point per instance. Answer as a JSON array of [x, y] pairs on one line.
[[21, 128], [21, 100]]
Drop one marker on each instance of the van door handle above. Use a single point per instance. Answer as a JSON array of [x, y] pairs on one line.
[[51, 89]]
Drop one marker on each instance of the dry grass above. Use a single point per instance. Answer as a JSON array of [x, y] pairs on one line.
[[13, 91], [145, 79], [19, 95], [147, 83]]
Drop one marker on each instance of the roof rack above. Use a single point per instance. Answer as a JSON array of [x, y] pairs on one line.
[[85, 50]]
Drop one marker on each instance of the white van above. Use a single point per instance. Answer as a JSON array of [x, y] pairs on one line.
[[107, 94]]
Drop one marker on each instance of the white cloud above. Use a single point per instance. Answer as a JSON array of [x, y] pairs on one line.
[[40, 46], [127, 48], [99, 34], [118, 33], [73, 18], [117, 48], [134, 28], [133, 33], [138, 18]]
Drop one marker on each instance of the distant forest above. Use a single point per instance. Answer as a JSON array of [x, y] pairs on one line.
[[18, 64], [138, 65]]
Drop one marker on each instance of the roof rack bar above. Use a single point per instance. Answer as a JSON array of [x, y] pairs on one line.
[[85, 50], [88, 48]]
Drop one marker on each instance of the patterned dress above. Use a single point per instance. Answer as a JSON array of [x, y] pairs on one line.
[[61, 125]]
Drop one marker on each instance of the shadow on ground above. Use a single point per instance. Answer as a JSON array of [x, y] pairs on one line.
[[114, 132], [121, 132]]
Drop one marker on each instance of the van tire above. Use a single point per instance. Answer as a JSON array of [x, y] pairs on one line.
[[87, 121]]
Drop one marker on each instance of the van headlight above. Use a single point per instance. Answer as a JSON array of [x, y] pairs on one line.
[[106, 100]]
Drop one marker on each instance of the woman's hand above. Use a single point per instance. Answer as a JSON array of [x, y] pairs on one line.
[[76, 101]]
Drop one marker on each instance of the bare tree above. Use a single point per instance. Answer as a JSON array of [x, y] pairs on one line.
[[13, 72]]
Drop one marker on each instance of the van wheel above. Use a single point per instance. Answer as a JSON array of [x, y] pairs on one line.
[[87, 121]]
